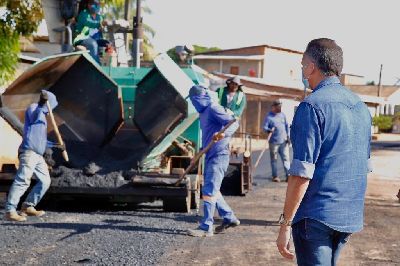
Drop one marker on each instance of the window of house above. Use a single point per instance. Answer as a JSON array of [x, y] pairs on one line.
[[234, 70]]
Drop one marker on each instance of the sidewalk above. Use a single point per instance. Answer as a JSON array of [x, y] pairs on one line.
[[386, 137]]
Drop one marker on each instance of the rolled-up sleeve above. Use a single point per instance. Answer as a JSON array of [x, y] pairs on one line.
[[306, 139]]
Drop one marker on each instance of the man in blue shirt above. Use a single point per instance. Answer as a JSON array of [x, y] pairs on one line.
[[31, 161], [331, 134], [277, 128], [213, 118]]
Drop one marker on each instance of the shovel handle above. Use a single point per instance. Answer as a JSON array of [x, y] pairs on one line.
[[58, 135], [197, 157]]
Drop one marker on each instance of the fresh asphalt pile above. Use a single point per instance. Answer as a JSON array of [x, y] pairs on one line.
[[104, 171], [68, 177], [134, 237]]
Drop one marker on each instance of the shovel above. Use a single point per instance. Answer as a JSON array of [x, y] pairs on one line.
[[197, 157], [58, 135], [262, 152]]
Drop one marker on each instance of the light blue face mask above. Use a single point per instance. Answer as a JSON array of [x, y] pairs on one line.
[[305, 81]]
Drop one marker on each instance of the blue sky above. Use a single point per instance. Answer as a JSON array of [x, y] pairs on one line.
[[366, 30]]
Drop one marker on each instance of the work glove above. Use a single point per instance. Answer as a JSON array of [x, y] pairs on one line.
[[60, 147], [44, 97], [48, 157], [218, 136]]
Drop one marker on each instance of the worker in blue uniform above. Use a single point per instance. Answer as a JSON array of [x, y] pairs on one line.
[[213, 117], [31, 161]]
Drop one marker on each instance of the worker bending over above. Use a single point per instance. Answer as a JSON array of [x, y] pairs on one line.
[[213, 118], [31, 161]]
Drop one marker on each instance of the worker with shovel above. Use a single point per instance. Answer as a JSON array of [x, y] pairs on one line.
[[31, 160], [213, 118]]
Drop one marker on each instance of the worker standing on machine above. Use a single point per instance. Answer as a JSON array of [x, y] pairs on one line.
[[232, 96], [213, 118], [89, 30], [31, 161]]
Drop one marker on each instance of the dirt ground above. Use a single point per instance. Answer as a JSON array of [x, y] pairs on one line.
[[151, 237], [253, 243]]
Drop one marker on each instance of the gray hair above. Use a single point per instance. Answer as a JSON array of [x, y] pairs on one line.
[[327, 55]]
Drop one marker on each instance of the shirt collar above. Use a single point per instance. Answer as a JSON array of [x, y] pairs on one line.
[[327, 81]]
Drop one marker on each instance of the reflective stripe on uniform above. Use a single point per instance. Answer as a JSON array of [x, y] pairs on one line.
[[239, 98]]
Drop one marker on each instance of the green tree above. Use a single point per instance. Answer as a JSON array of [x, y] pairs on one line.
[[203, 49], [17, 18], [197, 50], [383, 122], [115, 10]]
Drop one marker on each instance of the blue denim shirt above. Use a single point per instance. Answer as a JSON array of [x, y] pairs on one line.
[[331, 134], [279, 122]]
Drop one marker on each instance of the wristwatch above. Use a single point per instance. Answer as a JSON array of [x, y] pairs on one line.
[[283, 221]]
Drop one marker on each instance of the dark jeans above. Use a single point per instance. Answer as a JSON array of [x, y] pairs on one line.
[[316, 243]]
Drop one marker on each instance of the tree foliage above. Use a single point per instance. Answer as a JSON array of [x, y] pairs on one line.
[[197, 50], [383, 122], [17, 17], [203, 49]]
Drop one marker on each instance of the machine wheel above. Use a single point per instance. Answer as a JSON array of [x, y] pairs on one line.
[[179, 204], [195, 193]]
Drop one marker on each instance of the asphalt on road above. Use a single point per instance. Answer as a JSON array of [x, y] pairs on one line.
[[98, 235]]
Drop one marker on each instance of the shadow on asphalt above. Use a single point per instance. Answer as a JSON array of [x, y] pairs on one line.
[[252, 222], [83, 228]]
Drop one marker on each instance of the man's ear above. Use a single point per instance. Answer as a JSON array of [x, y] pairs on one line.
[[313, 68]]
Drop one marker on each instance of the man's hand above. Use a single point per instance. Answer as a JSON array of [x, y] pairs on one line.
[[283, 242], [44, 97], [61, 147], [218, 136], [229, 111]]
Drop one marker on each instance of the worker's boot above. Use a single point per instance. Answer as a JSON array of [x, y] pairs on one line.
[[225, 225], [14, 216], [199, 233], [31, 211], [276, 179]]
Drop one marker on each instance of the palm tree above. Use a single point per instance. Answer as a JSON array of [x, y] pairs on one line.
[[115, 9]]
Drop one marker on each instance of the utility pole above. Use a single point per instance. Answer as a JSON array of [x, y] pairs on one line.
[[137, 34], [127, 14], [380, 82]]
